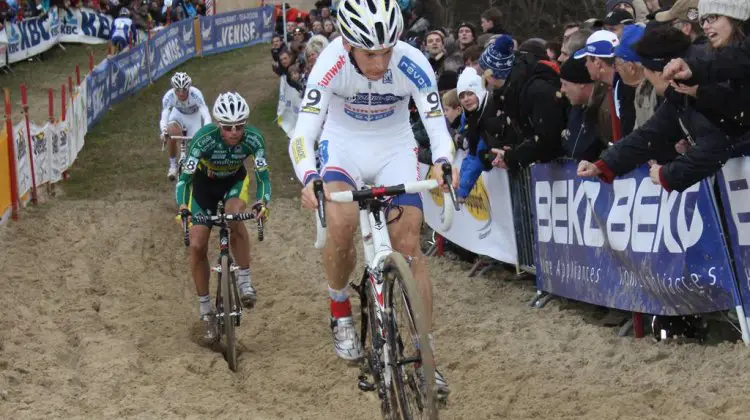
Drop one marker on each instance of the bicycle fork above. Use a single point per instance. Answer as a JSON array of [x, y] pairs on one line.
[[235, 307], [371, 363]]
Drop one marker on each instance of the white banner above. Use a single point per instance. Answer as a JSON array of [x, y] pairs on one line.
[[23, 164], [485, 223], [42, 154], [288, 108], [86, 26], [77, 122], [32, 36], [3, 53]]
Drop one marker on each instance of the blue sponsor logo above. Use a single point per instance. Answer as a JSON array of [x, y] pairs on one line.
[[374, 99], [323, 152], [414, 73]]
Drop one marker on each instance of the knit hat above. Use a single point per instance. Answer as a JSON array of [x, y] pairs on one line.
[[612, 3], [536, 47], [470, 81], [575, 71], [686, 10], [499, 57], [469, 25], [737, 9], [630, 35]]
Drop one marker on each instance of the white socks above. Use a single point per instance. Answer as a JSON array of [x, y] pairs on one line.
[[205, 304]]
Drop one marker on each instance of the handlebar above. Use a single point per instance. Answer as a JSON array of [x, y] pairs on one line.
[[382, 192], [218, 219], [166, 136]]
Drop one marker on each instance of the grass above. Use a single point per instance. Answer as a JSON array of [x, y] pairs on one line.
[[52, 72], [122, 152]]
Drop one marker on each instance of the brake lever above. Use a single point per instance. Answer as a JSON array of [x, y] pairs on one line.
[[448, 179], [184, 214], [320, 195]]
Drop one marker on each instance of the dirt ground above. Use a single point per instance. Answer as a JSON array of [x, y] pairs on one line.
[[99, 311]]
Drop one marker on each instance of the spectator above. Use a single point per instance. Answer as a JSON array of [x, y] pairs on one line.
[[553, 50], [415, 24], [491, 24], [535, 114], [313, 49], [471, 58], [317, 27], [466, 35], [616, 20], [277, 45], [724, 105], [600, 61], [636, 8], [569, 29], [477, 119], [675, 119], [435, 50], [630, 70], [588, 130], [684, 16], [573, 43]]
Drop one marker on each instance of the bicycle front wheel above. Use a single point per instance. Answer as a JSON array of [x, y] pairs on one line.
[[412, 363], [227, 290]]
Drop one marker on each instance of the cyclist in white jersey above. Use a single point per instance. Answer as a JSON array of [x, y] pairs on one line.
[[183, 113], [360, 86], [123, 30]]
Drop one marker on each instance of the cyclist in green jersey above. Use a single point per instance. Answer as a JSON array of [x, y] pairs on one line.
[[214, 170]]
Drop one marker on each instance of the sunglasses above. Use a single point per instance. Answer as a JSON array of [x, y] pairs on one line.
[[230, 128]]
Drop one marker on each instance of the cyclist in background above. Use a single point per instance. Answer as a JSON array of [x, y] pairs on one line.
[[123, 30], [214, 170], [184, 112], [360, 86]]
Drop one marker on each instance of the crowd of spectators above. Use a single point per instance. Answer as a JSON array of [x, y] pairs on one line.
[[145, 14]]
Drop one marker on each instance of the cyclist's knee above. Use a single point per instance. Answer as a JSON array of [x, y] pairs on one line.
[[238, 229], [235, 205], [199, 242], [405, 232], [174, 129]]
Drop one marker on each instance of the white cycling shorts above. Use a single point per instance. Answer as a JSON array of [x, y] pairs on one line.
[[397, 165], [190, 123]]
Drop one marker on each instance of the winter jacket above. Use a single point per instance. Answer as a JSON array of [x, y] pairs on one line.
[[587, 133], [710, 148], [472, 166], [535, 112]]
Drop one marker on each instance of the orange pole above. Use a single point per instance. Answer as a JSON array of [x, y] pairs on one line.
[[25, 106], [62, 102], [70, 86], [91, 61], [78, 75], [12, 157]]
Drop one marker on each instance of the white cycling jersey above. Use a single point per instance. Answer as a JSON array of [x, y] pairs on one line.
[[194, 103], [368, 119]]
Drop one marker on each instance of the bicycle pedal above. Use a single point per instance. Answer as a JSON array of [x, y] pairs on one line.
[[365, 385]]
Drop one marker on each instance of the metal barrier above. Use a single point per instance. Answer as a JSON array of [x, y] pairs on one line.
[[522, 200]]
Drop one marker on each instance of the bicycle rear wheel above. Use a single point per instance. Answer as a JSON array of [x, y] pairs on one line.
[[227, 299], [412, 363]]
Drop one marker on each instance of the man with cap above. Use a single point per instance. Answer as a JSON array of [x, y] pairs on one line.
[[466, 34], [674, 120], [684, 16], [630, 70], [616, 20], [535, 114], [587, 133], [599, 54]]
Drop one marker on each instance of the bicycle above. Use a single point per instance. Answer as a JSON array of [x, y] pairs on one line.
[[228, 307], [183, 148], [386, 273]]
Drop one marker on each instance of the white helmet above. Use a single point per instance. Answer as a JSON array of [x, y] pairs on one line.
[[370, 24], [181, 80], [231, 108], [124, 12]]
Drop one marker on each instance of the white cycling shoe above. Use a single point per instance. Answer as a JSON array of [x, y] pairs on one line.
[[172, 173], [345, 340]]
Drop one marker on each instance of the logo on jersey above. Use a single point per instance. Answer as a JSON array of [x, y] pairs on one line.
[[414, 72], [333, 71], [374, 99], [298, 150], [388, 77], [323, 152]]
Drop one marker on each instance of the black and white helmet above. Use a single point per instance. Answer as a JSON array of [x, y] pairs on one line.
[[370, 24], [231, 108], [181, 80], [125, 12]]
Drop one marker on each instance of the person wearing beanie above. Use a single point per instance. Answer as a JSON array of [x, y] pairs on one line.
[[723, 20], [466, 34], [586, 134], [526, 90], [676, 119], [636, 8], [684, 15]]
